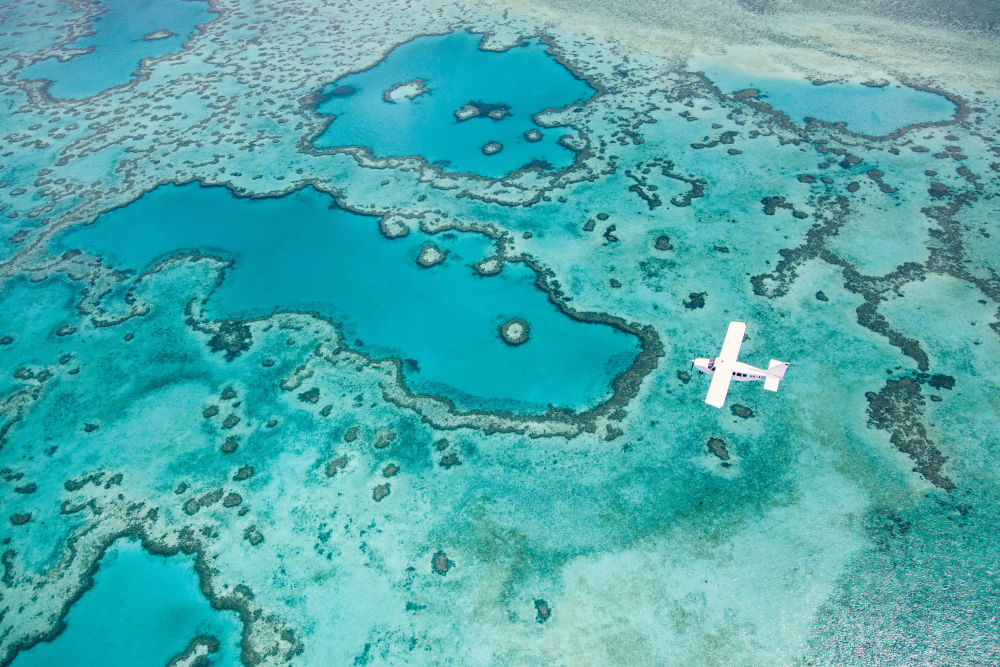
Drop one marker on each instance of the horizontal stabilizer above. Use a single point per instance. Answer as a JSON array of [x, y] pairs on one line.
[[775, 373]]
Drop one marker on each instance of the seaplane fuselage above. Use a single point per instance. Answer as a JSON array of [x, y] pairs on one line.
[[741, 372], [725, 368]]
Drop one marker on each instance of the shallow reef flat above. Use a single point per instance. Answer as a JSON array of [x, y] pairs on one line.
[[361, 332]]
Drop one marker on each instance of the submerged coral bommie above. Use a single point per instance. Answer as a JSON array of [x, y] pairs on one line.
[[430, 255], [406, 90], [515, 331]]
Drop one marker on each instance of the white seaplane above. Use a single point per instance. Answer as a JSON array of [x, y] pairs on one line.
[[725, 368]]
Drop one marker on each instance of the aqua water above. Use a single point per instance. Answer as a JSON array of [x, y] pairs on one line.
[[455, 72]]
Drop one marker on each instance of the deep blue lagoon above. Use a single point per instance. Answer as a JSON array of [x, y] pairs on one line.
[[301, 252], [454, 73], [142, 609]]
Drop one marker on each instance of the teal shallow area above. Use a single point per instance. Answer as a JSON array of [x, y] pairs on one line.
[[30, 321], [926, 594], [455, 72], [301, 252], [117, 45], [873, 111], [847, 519], [142, 610]]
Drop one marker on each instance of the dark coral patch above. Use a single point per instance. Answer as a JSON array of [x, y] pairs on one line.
[[450, 459], [663, 243], [232, 337], [941, 381], [718, 447], [310, 396], [542, 611], [695, 300], [898, 408], [440, 563], [938, 190], [384, 439], [741, 411], [253, 535], [336, 465]]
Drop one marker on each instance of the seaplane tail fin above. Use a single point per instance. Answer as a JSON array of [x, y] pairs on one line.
[[775, 373]]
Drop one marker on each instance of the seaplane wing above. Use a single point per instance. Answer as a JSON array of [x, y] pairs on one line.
[[723, 374], [726, 368], [731, 346], [720, 384]]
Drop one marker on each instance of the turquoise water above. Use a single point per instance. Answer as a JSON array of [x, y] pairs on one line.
[[300, 252], [31, 322], [142, 610], [117, 45], [873, 111], [847, 519], [455, 72]]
